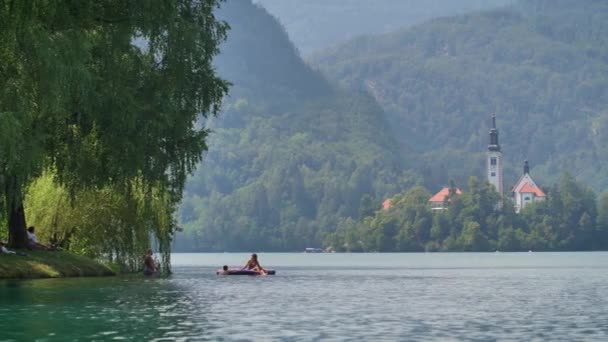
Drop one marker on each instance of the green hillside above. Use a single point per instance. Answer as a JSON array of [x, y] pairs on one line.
[[318, 24], [541, 66], [290, 156]]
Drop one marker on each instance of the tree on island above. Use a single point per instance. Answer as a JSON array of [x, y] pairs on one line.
[[571, 219], [104, 93]]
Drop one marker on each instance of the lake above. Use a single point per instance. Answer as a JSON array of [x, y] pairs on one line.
[[325, 297]]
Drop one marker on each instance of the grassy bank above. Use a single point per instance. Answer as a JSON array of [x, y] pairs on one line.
[[41, 264]]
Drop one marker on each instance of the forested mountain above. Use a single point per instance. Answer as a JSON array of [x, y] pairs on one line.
[[318, 24], [293, 156], [290, 156], [541, 66]]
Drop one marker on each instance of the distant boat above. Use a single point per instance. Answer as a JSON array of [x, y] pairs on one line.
[[313, 250]]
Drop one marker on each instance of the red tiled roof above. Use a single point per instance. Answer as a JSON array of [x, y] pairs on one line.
[[517, 183], [386, 204], [442, 194], [529, 188]]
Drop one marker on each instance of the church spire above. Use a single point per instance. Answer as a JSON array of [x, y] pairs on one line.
[[494, 166], [526, 168], [494, 146]]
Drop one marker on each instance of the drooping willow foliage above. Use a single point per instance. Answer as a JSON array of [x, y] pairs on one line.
[[106, 94], [107, 224]]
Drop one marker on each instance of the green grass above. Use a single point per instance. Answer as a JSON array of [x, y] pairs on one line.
[[43, 264]]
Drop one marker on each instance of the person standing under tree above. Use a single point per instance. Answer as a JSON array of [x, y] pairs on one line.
[[149, 264]]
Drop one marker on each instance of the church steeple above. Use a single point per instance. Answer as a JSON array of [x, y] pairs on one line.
[[494, 145], [494, 161], [526, 168]]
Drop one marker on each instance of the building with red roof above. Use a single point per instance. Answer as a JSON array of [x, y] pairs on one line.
[[439, 200], [386, 205], [526, 191]]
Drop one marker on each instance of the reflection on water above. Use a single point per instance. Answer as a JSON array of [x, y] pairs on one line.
[[559, 296]]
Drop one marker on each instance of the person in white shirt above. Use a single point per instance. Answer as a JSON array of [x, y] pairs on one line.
[[33, 242], [4, 250], [31, 236]]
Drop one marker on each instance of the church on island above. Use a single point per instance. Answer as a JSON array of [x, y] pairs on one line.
[[524, 192]]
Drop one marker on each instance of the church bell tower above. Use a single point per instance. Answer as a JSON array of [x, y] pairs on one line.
[[494, 167]]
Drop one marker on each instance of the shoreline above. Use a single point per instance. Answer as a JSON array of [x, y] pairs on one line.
[[46, 264]]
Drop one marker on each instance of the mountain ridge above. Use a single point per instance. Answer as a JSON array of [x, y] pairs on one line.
[[440, 81], [290, 156], [317, 24]]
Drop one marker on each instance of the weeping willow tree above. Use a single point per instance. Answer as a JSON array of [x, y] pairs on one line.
[[106, 94], [103, 223]]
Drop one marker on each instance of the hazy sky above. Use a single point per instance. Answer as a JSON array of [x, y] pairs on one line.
[[318, 24]]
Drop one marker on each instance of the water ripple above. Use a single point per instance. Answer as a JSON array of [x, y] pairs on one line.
[[331, 303]]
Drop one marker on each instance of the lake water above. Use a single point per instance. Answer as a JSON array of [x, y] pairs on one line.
[[325, 297]]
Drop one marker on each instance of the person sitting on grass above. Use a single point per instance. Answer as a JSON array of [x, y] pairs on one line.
[[4, 250], [149, 264], [33, 242]]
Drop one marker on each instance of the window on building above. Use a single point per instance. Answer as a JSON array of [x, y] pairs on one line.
[[493, 174], [527, 198], [492, 161]]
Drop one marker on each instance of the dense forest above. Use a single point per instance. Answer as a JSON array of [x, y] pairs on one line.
[[570, 219], [290, 155], [317, 24], [295, 157], [541, 66]]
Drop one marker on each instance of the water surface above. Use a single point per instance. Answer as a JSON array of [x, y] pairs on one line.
[[442, 297]]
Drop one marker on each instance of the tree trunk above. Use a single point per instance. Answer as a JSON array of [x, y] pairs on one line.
[[17, 236]]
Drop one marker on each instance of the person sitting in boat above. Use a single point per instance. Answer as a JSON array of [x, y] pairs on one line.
[[149, 264], [254, 265]]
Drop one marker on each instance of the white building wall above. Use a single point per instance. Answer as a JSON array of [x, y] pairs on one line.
[[494, 170], [520, 197]]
